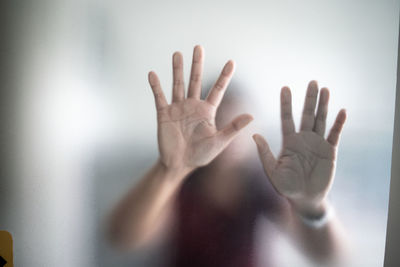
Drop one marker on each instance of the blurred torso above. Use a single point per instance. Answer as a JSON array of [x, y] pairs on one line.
[[216, 212]]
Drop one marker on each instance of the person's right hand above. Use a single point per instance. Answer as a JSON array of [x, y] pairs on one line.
[[187, 135]]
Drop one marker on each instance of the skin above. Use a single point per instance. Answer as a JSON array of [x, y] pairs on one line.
[[188, 138], [187, 135], [303, 173], [304, 170]]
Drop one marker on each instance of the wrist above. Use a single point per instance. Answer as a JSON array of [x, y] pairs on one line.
[[316, 216], [173, 172], [311, 209]]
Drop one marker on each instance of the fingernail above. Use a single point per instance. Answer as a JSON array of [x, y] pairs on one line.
[[152, 78], [197, 52], [244, 121], [285, 91], [229, 67], [176, 58]]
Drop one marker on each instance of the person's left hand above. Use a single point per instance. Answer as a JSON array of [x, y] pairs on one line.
[[304, 170]]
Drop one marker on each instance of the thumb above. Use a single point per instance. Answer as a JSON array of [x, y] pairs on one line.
[[228, 133], [264, 152]]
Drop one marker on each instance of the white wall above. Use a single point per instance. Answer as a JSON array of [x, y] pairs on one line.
[[83, 78]]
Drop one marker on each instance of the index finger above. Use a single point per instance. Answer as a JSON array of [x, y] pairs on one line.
[[217, 91], [159, 97], [286, 111]]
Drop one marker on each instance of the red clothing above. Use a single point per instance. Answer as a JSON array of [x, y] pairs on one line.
[[207, 236]]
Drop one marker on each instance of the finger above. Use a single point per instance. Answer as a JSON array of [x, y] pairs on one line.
[[286, 111], [334, 134], [196, 73], [217, 91], [267, 158], [322, 112], [178, 89], [159, 97], [234, 127], [308, 117]]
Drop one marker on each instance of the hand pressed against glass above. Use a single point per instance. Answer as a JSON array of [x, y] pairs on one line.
[[304, 170], [187, 135]]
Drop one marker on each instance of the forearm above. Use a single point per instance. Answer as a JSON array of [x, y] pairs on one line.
[[324, 242], [140, 212]]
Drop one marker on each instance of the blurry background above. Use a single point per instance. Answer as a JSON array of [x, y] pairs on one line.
[[79, 123]]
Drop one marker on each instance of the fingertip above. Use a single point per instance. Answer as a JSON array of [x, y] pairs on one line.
[[312, 90], [341, 117], [177, 53], [198, 46], [152, 76], [285, 91], [313, 83], [176, 57], [343, 111], [240, 122], [231, 62], [245, 119], [198, 52], [229, 67], [256, 138], [249, 116], [325, 90], [260, 141], [324, 94]]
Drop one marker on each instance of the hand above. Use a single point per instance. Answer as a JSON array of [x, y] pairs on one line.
[[304, 170], [187, 135]]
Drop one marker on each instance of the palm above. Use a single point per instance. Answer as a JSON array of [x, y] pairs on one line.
[[187, 135], [305, 167]]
